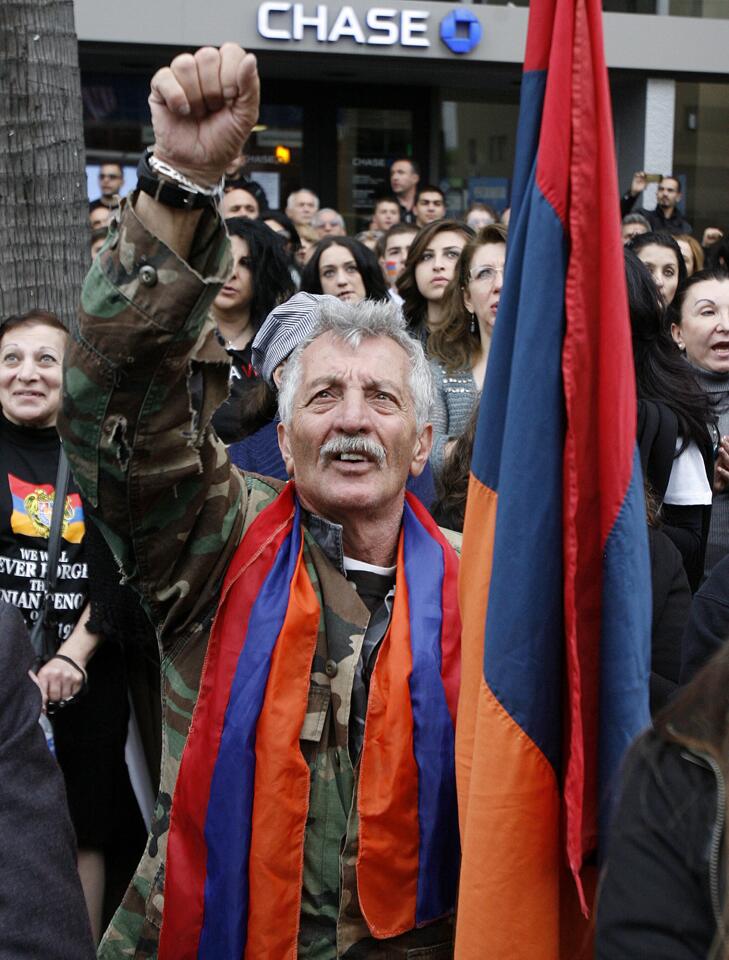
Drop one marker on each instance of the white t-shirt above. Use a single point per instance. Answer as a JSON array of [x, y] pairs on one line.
[[688, 484]]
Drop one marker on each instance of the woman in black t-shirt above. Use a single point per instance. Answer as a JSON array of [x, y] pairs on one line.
[[31, 359]]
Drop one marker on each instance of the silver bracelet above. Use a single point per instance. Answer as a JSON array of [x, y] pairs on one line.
[[184, 182]]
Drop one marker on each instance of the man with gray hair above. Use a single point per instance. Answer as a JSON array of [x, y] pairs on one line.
[[309, 631], [329, 223], [301, 206], [287, 327]]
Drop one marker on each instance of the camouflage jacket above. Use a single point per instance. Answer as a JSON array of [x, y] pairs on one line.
[[174, 510]]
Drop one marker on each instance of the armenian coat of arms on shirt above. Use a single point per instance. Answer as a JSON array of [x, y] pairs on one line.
[[33, 509]]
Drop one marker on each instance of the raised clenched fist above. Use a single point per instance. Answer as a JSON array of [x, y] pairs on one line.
[[203, 108]]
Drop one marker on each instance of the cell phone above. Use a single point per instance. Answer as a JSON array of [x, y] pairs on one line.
[[653, 177]]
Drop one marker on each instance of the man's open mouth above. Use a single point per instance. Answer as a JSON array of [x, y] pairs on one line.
[[353, 449]]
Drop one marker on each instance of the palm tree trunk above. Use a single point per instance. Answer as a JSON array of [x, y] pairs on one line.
[[44, 237]]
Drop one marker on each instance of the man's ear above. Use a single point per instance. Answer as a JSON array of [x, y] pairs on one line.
[[423, 446], [283, 444]]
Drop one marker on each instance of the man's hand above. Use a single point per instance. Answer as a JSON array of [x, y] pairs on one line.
[[638, 184], [721, 466], [204, 106], [711, 235]]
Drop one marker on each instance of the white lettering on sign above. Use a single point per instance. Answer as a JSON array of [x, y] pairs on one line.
[[346, 25], [413, 22], [318, 22], [384, 26], [264, 21], [380, 20]]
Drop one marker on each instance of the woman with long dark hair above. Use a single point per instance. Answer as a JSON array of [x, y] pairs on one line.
[[674, 418], [699, 319], [663, 257], [459, 347], [430, 264], [344, 268], [259, 281]]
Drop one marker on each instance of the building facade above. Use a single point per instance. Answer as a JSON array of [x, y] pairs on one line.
[[348, 87]]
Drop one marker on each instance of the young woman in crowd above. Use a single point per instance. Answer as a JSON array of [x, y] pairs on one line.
[[430, 264], [89, 734], [663, 891], [344, 268], [662, 255], [459, 346], [260, 279], [674, 422], [692, 252], [700, 328]]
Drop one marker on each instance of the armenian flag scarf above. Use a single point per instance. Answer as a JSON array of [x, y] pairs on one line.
[[235, 846]]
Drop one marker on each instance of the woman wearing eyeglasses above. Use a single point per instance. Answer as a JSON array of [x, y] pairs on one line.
[[459, 348]]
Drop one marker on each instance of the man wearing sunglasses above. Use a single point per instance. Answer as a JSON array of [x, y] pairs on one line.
[[111, 178]]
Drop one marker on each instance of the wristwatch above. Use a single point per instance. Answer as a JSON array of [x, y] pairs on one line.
[[173, 189]]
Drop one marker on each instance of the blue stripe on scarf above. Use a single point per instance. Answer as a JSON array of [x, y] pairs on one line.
[[433, 736], [230, 807]]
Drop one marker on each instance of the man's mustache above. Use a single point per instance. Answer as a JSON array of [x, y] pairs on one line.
[[362, 446]]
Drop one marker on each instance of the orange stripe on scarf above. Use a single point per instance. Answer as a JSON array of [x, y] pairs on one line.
[[281, 799], [388, 787]]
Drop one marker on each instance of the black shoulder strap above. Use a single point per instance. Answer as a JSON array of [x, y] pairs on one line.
[[41, 638], [54, 535]]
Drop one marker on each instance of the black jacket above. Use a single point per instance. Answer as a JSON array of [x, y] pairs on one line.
[[671, 606], [688, 526], [673, 224], [662, 891], [708, 624], [42, 911]]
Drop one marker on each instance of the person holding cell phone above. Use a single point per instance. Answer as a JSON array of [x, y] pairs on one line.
[[667, 216]]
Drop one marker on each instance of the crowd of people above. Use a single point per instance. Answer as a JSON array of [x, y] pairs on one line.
[[224, 348]]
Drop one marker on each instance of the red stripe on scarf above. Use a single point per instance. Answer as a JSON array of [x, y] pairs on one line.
[[186, 863], [281, 801]]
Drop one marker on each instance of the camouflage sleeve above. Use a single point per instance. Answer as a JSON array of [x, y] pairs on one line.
[[168, 501]]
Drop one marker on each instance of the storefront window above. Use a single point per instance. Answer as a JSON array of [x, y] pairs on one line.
[[676, 8], [700, 151], [478, 144], [275, 152], [116, 114], [117, 125], [368, 140], [718, 9]]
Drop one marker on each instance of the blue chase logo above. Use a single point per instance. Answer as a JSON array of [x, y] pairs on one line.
[[460, 31]]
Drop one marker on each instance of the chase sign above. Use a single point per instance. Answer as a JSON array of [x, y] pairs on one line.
[[460, 31], [295, 22]]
